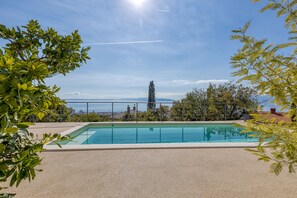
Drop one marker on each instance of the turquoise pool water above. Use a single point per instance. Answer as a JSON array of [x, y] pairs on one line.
[[158, 133]]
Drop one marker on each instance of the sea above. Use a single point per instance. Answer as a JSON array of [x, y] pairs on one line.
[[116, 105], [105, 106]]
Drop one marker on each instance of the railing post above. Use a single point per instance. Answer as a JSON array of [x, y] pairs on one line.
[[60, 113], [87, 112], [136, 117], [112, 118], [182, 113], [160, 113]]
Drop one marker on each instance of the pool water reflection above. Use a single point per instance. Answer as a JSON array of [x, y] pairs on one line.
[[139, 134]]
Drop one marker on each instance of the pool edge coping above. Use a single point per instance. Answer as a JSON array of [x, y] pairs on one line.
[[150, 145]]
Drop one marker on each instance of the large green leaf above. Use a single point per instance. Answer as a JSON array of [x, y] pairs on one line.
[[2, 148]]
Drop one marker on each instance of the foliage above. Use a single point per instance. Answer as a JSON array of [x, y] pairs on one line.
[[195, 105], [272, 69], [59, 54], [19, 151], [160, 114], [128, 117], [60, 113], [149, 115], [163, 113], [212, 110], [177, 110], [281, 146], [91, 117], [151, 105], [228, 101], [238, 99], [30, 56]]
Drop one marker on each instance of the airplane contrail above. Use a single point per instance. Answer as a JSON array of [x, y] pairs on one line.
[[125, 42], [160, 10]]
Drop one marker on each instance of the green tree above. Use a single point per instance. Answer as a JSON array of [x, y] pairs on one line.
[[127, 117], [212, 109], [160, 114], [163, 113], [149, 115], [195, 105], [151, 105], [30, 55], [91, 117], [58, 113], [234, 100], [272, 69], [212, 104], [177, 111]]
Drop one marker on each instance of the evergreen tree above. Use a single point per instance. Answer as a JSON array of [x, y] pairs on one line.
[[151, 105]]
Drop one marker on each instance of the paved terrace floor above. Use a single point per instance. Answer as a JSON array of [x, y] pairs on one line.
[[228, 172]]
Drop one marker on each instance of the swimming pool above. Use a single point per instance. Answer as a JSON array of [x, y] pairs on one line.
[[158, 133]]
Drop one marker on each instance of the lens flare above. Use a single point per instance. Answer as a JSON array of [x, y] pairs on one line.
[[137, 3]]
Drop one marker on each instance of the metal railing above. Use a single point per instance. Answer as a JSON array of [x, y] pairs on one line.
[[137, 110], [123, 108]]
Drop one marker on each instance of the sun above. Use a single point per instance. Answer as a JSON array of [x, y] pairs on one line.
[[137, 3]]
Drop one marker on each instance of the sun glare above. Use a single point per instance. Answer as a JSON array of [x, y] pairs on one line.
[[137, 3]]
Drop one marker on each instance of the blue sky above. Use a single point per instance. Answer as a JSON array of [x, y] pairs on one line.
[[180, 44]]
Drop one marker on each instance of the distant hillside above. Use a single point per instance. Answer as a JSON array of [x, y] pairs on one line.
[[145, 99]]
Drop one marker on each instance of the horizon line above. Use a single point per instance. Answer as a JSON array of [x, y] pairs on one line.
[[112, 98]]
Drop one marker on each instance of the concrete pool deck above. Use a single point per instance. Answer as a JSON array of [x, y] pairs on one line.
[[191, 172]]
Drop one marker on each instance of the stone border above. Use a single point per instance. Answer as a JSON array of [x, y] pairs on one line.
[[150, 146], [49, 147], [75, 128]]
